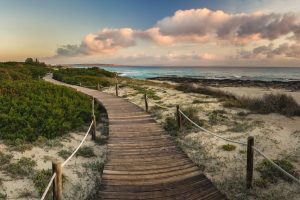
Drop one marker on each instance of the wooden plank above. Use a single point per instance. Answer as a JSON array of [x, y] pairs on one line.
[[143, 161]]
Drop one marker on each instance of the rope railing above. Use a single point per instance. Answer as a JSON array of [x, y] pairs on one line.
[[66, 161], [277, 166], [244, 144], [211, 133], [179, 113], [156, 104]]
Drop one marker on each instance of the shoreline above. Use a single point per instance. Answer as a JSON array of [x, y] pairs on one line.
[[288, 85]]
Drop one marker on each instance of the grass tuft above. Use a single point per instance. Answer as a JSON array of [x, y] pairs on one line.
[[86, 152], [270, 103], [23, 167], [228, 147]]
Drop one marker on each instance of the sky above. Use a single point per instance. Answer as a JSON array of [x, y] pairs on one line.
[[152, 32]]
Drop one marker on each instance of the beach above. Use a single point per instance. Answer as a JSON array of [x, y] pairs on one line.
[[278, 136]]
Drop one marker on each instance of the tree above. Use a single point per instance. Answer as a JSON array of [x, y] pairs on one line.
[[29, 61]]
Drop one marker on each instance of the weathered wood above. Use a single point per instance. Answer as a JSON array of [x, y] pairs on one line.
[[57, 183], [117, 90], [250, 153], [146, 102], [98, 87], [143, 161], [93, 129], [179, 118]]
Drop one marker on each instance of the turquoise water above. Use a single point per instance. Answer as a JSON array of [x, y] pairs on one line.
[[243, 73]]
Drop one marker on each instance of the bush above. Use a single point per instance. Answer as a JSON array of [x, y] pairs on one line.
[[272, 174], [270, 103], [192, 113], [171, 124], [87, 77], [228, 147], [23, 167], [32, 109], [41, 180], [217, 116], [86, 152], [64, 153]]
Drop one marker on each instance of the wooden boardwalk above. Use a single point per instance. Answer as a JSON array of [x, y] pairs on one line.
[[143, 162]]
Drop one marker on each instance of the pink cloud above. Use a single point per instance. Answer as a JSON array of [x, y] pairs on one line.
[[193, 26]]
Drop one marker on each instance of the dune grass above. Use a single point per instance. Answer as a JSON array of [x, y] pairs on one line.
[[269, 103]]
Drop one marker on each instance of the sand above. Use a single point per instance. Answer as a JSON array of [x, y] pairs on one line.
[[276, 135], [80, 179]]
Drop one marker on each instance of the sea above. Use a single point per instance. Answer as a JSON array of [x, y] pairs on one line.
[[238, 73]]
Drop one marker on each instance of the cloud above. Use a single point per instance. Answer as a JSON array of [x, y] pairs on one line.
[[194, 26], [285, 50], [104, 42]]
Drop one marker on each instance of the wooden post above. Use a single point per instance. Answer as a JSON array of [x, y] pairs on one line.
[[98, 87], [146, 102], [93, 130], [117, 92], [79, 83], [249, 176], [179, 119], [57, 183]]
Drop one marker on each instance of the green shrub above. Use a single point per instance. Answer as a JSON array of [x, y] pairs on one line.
[[64, 153], [272, 174], [228, 147], [33, 109], [86, 77], [3, 195], [270, 103], [86, 152], [192, 113], [5, 159], [217, 116], [23, 167], [171, 126], [41, 179]]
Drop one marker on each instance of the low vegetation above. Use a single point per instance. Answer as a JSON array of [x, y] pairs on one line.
[[86, 152], [270, 103], [217, 117], [272, 174], [228, 147], [31, 108], [171, 123], [23, 167], [85, 77]]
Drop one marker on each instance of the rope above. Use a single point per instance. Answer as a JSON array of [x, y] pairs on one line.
[[241, 143], [48, 186], [277, 166], [65, 162], [211, 133]]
